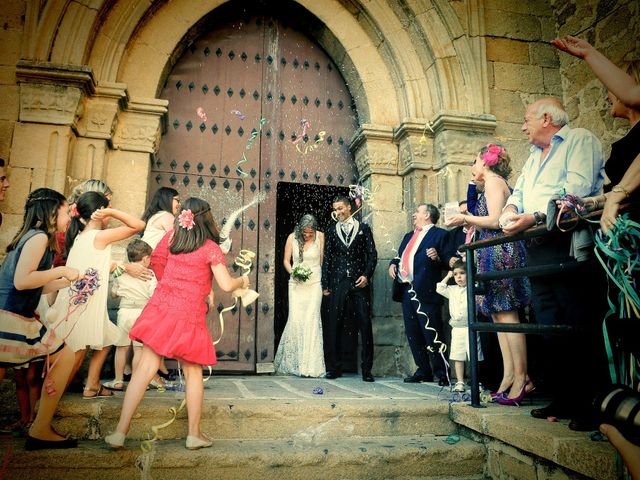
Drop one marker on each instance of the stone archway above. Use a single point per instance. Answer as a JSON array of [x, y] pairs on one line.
[[405, 64]]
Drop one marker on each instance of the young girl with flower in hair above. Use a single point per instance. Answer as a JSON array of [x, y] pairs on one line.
[[25, 274], [88, 242], [504, 297], [173, 323]]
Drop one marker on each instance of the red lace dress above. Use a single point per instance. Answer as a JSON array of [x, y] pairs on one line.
[[173, 323]]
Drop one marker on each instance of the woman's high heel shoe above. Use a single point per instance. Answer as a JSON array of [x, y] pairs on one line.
[[504, 400]]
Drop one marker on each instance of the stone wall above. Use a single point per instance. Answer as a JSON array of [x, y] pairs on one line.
[[12, 17], [613, 27], [522, 67]]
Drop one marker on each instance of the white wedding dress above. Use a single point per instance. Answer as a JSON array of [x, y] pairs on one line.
[[300, 351]]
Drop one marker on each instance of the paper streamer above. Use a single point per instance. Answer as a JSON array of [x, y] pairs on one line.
[[305, 124], [201, 114], [253, 136], [314, 146], [226, 229], [79, 293], [244, 260], [239, 114]]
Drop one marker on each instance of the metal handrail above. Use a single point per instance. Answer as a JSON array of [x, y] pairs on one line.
[[473, 276]]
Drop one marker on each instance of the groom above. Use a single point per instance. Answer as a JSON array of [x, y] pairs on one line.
[[349, 261]]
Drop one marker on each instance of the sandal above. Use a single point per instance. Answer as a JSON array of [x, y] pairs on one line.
[[100, 392], [117, 385]]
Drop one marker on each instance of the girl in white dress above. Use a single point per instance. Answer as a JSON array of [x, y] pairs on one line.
[[160, 214], [88, 242], [300, 351]]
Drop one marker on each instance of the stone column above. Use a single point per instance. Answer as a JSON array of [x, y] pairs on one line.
[[376, 156], [95, 133], [51, 102], [435, 157], [136, 139]]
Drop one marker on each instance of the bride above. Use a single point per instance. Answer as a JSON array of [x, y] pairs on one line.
[[300, 351]]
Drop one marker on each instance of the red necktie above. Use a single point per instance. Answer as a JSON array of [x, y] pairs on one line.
[[404, 268]]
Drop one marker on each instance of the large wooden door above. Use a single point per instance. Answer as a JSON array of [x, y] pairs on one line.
[[241, 70]]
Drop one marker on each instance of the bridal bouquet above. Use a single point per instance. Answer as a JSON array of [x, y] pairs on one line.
[[301, 272]]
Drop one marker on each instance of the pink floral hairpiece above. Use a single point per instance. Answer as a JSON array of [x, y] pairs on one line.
[[74, 210], [491, 156], [185, 219]]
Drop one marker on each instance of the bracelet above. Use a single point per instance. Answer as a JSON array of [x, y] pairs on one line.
[[118, 271], [620, 189]]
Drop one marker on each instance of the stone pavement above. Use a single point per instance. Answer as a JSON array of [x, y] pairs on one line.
[[283, 427]]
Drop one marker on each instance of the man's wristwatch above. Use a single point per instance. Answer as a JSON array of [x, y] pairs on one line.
[[538, 217]]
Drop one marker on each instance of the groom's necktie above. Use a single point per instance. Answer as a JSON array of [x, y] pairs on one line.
[[346, 230], [404, 267]]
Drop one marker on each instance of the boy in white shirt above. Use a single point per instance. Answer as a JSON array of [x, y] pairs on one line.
[[459, 322], [134, 294]]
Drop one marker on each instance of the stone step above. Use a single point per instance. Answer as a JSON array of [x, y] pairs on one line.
[[246, 418], [307, 458]]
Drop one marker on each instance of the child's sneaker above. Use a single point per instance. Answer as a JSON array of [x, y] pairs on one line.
[[459, 387]]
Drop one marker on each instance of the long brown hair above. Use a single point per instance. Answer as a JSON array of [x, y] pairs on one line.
[[204, 227], [41, 213]]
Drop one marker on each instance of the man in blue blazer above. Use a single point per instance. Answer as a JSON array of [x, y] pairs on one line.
[[418, 268]]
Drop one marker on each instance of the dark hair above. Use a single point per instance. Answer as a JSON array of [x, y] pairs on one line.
[[462, 202], [204, 227], [459, 264], [502, 167], [41, 213], [432, 210], [137, 249], [341, 198], [162, 201], [86, 204], [307, 221]]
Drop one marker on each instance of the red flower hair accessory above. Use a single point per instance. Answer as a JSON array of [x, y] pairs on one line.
[[185, 219], [491, 156], [73, 210]]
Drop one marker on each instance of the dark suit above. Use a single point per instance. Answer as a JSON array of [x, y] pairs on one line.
[[455, 237], [343, 264], [426, 273]]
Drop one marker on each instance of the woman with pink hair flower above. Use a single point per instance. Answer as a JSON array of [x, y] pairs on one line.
[[503, 297]]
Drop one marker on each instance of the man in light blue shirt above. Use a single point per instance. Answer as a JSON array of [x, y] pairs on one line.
[[561, 160]]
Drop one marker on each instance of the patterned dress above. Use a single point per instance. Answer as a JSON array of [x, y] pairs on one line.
[[506, 294]]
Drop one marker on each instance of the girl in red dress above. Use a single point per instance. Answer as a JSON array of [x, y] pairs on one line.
[[172, 323]]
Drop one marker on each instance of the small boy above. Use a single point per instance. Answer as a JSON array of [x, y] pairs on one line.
[[457, 295], [134, 294]]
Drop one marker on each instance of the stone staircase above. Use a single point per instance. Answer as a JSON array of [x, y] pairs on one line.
[[266, 427]]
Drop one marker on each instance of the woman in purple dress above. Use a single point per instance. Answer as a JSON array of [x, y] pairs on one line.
[[503, 297]]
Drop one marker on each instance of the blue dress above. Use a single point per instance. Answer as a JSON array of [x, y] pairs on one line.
[[506, 294]]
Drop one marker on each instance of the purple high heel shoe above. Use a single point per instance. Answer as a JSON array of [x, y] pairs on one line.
[[504, 400]]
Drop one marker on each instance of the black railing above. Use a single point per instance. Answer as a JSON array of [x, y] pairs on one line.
[[525, 328]]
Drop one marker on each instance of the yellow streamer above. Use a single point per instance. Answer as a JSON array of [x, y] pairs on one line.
[[311, 148], [147, 445], [244, 260]]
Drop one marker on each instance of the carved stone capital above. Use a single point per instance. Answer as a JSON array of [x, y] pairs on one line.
[[415, 140], [101, 111], [374, 150], [52, 93], [140, 125]]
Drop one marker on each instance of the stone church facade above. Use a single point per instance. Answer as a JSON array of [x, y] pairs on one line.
[[430, 81]]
